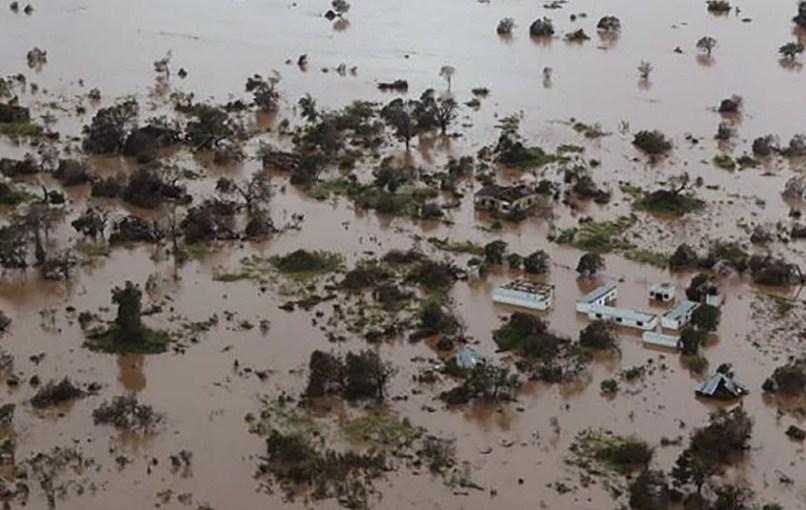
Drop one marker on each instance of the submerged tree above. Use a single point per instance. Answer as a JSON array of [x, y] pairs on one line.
[[446, 73], [130, 309], [790, 50], [644, 70], [264, 91], [706, 44], [109, 128], [590, 264]]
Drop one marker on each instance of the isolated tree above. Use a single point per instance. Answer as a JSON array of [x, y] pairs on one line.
[[537, 262], [541, 28], [264, 91], [590, 264], [791, 50], [446, 73], [400, 114], [706, 317], [644, 69], [706, 44], [366, 375], [109, 128], [130, 309], [599, 334], [445, 112], [341, 7], [494, 252], [307, 105], [505, 26]]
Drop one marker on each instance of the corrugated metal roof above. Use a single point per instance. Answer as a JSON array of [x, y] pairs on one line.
[[681, 310], [711, 386], [622, 313], [595, 294]]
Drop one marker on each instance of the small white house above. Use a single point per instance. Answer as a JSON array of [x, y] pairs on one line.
[[597, 297], [714, 298], [660, 340], [624, 317], [535, 296], [679, 316], [663, 292]]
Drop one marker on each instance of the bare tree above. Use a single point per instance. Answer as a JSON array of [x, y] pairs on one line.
[[447, 72]]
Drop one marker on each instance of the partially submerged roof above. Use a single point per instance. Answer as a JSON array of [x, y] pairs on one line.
[[467, 358], [596, 294], [680, 311], [505, 193], [662, 287], [625, 314], [525, 286], [720, 385]]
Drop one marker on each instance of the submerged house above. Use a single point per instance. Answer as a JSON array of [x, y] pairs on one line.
[[597, 297], [536, 296], [679, 316], [505, 199], [467, 358], [624, 317], [720, 386], [663, 292]]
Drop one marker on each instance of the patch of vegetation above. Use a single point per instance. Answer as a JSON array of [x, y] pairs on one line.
[[126, 413], [789, 379], [53, 394], [650, 257], [11, 196], [25, 129], [653, 143], [603, 236], [725, 162], [667, 202], [381, 428], [310, 262], [607, 456], [468, 247], [295, 462]]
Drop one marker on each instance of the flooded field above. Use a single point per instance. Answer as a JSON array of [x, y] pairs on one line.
[[213, 153]]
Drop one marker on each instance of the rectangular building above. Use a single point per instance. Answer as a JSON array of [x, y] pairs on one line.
[[600, 296]]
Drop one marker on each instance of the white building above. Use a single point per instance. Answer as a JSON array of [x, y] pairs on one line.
[[624, 317], [679, 316], [597, 297], [663, 292], [535, 296]]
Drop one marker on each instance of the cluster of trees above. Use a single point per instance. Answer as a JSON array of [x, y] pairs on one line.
[[537, 262], [358, 376], [721, 255]]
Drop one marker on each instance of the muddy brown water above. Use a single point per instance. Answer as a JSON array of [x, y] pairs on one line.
[[111, 45]]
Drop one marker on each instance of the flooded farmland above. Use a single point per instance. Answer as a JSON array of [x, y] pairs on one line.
[[249, 251]]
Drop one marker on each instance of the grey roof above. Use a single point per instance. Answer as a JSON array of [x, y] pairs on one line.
[[681, 310], [711, 386], [623, 313], [468, 358], [595, 294]]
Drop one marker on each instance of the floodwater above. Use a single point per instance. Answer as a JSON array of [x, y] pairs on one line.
[[110, 45]]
